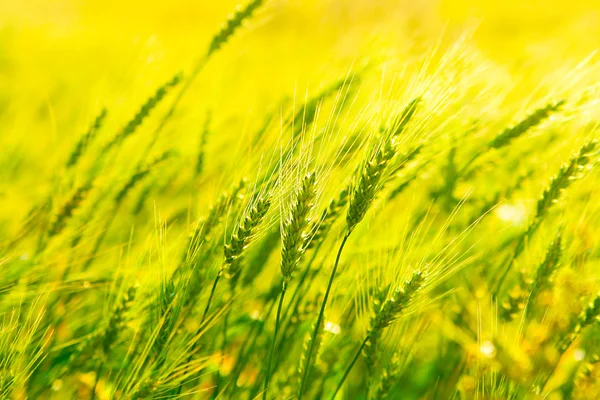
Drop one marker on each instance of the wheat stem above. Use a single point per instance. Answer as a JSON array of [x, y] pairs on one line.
[[320, 317], [211, 295], [350, 366], [273, 344]]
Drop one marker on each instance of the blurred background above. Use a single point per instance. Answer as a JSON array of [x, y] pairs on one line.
[[62, 61]]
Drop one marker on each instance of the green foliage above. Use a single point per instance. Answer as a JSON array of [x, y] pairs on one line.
[[419, 259]]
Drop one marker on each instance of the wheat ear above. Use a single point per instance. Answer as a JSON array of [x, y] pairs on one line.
[[386, 313], [239, 241], [565, 177], [295, 238], [83, 143]]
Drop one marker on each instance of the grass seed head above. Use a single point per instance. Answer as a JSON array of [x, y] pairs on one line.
[[66, 211], [589, 316], [368, 183], [565, 177], [85, 140], [233, 23], [388, 378], [203, 229], [405, 117], [242, 233], [532, 120], [547, 268], [388, 311], [118, 319], [142, 113], [295, 233]]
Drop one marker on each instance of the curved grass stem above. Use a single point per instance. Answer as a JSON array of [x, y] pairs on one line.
[[320, 317], [349, 368], [274, 343], [210, 296]]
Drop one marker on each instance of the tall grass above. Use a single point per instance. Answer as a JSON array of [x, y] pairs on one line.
[[391, 233]]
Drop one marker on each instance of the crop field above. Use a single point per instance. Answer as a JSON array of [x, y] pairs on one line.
[[299, 199]]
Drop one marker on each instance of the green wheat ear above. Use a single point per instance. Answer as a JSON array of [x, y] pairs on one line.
[[524, 294], [388, 311], [370, 180], [407, 114], [104, 340], [118, 319], [295, 235], [367, 184], [218, 210], [66, 211], [167, 312], [238, 242], [389, 375], [547, 268], [233, 23], [141, 115], [243, 233], [83, 143], [205, 226], [201, 147], [589, 316], [139, 175], [532, 120], [567, 174]]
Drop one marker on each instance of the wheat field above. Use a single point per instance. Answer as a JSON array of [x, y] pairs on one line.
[[284, 199]]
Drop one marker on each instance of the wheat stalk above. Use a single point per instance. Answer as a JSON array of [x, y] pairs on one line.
[[295, 237]]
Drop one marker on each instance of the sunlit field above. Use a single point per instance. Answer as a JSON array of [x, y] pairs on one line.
[[285, 199]]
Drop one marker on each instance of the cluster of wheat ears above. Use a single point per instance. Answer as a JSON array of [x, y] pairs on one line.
[[395, 252]]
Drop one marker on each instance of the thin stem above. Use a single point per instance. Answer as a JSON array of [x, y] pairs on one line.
[[287, 324], [272, 352], [212, 293], [302, 280], [193, 348], [249, 342], [210, 297], [99, 372], [518, 250], [320, 318], [294, 302], [215, 393], [347, 372]]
